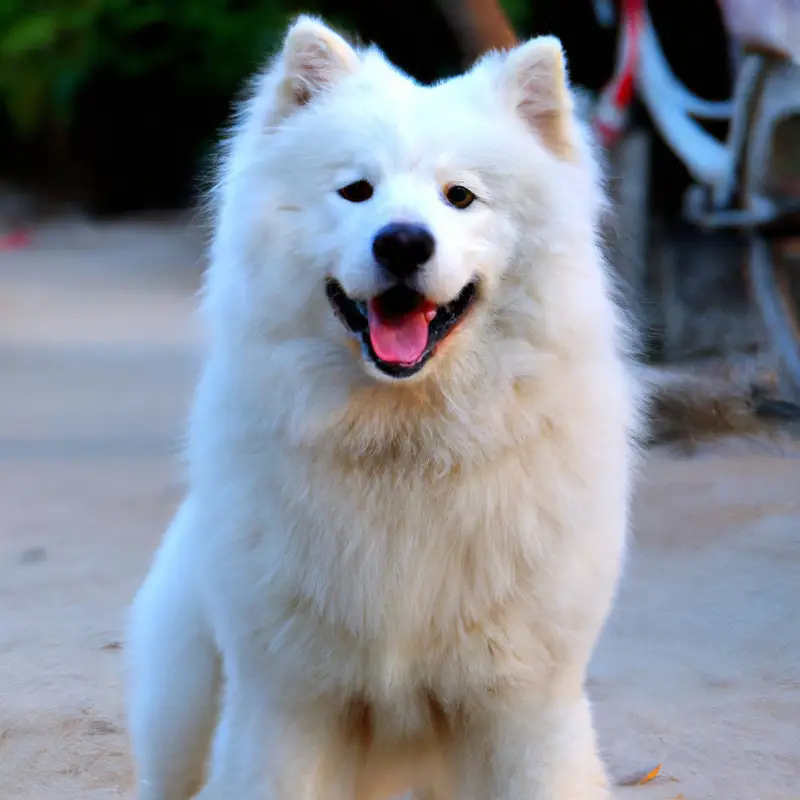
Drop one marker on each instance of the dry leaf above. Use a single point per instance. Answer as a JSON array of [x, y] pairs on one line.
[[641, 777]]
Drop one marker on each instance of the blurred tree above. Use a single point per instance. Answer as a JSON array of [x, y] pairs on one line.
[[118, 99], [481, 25], [50, 50]]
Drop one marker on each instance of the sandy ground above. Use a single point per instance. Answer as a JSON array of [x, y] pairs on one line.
[[700, 665]]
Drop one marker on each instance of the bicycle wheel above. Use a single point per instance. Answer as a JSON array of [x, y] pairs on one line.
[[772, 175], [775, 280]]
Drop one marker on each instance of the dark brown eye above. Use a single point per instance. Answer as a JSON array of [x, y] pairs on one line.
[[357, 192], [459, 196]]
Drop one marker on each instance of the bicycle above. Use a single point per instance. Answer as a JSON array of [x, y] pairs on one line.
[[749, 182]]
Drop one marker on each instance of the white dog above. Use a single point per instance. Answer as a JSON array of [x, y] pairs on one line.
[[410, 451]]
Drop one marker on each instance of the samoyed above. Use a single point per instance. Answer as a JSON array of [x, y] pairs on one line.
[[410, 451]]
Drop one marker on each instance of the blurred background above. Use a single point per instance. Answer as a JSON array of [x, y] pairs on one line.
[[109, 114], [114, 104], [112, 107]]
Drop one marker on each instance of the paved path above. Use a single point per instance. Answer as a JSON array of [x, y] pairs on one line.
[[700, 667]]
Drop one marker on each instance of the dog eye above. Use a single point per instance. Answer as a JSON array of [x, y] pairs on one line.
[[459, 196], [357, 192]]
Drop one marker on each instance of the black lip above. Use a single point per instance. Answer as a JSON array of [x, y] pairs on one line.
[[352, 313]]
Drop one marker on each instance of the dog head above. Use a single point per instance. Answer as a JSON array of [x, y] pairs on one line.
[[404, 230]]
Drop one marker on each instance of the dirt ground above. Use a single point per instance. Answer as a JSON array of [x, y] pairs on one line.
[[699, 667]]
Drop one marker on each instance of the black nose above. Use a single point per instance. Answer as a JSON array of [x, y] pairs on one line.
[[402, 248]]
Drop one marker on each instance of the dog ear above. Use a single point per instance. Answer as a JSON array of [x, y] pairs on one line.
[[536, 74], [313, 59]]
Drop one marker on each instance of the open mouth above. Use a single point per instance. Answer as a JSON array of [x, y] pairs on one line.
[[400, 328]]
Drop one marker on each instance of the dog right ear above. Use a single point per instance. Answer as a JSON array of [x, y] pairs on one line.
[[536, 75], [313, 60]]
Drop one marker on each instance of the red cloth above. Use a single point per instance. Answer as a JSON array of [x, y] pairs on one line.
[[15, 240]]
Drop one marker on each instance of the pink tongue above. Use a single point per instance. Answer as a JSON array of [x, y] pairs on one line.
[[399, 340]]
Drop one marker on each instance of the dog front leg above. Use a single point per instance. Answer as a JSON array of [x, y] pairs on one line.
[[527, 750], [262, 752], [173, 674]]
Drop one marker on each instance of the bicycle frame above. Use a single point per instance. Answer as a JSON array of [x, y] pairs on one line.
[[676, 113], [641, 64]]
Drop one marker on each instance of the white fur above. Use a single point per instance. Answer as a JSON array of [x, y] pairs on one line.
[[402, 581]]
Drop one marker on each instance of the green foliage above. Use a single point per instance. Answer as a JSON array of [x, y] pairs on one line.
[[50, 49], [519, 12]]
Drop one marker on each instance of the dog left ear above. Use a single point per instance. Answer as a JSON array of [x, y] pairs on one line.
[[536, 74], [313, 59]]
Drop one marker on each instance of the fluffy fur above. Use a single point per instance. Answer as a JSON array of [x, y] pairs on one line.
[[374, 584]]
